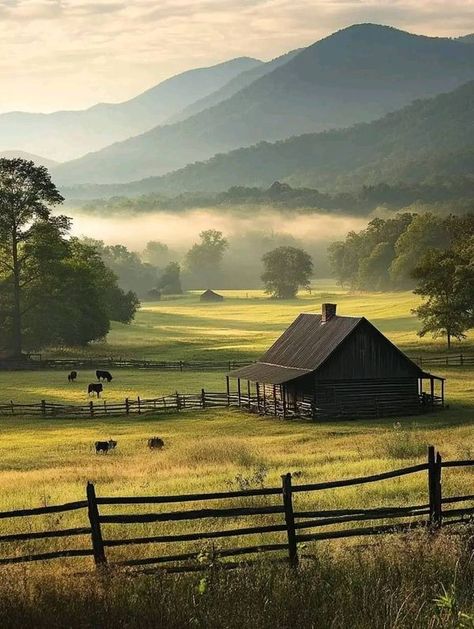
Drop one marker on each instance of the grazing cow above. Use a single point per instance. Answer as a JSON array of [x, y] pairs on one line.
[[72, 376], [95, 388], [103, 375], [155, 443], [105, 446]]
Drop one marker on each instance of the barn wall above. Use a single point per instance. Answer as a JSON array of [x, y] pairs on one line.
[[366, 354]]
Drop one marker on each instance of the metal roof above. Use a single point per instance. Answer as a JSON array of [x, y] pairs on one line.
[[302, 348], [308, 342], [271, 374]]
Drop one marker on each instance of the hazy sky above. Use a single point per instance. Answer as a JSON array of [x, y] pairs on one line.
[[73, 53]]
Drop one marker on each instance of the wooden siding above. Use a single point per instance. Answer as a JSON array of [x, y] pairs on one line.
[[366, 354]]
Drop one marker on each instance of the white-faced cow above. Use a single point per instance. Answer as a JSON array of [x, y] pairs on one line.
[[105, 446]]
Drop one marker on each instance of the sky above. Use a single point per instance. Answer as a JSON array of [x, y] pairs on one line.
[[70, 54]]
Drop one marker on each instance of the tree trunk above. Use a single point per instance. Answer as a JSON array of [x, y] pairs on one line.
[[17, 340], [448, 335]]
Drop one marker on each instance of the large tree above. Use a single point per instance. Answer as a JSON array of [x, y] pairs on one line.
[[286, 269], [203, 260], [27, 195], [446, 281]]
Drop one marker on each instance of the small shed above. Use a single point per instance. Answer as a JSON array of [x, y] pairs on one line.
[[325, 365], [210, 295]]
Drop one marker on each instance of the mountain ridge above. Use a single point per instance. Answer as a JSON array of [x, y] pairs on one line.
[[355, 75]]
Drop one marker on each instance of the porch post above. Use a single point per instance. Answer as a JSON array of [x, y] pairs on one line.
[[238, 392], [228, 389], [257, 386], [248, 392], [442, 393], [432, 390], [283, 397], [274, 400]]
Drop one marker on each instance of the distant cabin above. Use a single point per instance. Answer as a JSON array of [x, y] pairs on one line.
[[210, 295], [335, 366]]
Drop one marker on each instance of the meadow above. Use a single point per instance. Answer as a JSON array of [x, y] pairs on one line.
[[48, 461]]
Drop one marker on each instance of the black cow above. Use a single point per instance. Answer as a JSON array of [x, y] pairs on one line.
[[72, 376], [95, 388], [155, 443], [105, 446], [103, 375]]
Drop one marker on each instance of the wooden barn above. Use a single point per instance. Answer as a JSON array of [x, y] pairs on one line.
[[331, 366], [210, 295]]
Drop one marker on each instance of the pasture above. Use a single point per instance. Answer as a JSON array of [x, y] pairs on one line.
[[49, 461]]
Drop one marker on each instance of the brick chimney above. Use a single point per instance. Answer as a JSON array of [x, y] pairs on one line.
[[328, 311]]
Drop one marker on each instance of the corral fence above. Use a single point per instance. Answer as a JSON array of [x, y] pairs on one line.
[[293, 526], [37, 361], [304, 409]]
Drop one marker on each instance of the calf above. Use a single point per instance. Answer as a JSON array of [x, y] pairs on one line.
[[155, 443], [95, 388], [72, 376], [103, 375], [105, 446]]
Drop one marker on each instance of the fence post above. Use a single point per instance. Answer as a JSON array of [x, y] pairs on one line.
[[289, 518], [461, 360], [43, 407], [91, 408], [227, 389], [438, 514], [96, 533], [434, 487], [203, 398], [178, 405], [127, 406], [12, 406], [139, 406]]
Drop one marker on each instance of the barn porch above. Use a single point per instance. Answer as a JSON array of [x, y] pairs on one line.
[[339, 399]]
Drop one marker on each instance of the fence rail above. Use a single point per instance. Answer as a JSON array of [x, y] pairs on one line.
[[205, 399], [296, 526], [37, 361]]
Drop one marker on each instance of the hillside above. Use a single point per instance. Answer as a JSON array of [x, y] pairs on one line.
[[399, 146], [232, 87], [37, 159], [355, 75], [68, 134]]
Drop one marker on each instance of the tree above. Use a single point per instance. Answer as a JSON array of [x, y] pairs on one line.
[[156, 253], [446, 280], [286, 269], [170, 281], [26, 197], [204, 258]]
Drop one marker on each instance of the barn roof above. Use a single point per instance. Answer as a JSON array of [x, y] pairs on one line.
[[210, 294], [302, 348]]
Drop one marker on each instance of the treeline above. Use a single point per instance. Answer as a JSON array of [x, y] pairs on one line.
[[54, 289], [385, 254], [457, 189]]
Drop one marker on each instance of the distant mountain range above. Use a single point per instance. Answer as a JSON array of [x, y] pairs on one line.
[[69, 134], [37, 159], [427, 139], [355, 75]]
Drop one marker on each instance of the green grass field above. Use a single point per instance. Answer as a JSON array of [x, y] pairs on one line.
[[48, 461]]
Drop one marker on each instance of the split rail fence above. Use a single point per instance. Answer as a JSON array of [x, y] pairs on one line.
[[283, 519], [36, 361]]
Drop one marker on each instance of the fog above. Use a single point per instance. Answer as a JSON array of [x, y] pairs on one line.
[[180, 230]]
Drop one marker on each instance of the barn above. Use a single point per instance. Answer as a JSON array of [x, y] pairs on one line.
[[210, 295], [328, 366]]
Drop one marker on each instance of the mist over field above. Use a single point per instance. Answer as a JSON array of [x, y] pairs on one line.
[[180, 230]]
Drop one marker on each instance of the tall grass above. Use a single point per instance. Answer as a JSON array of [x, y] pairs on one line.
[[412, 581]]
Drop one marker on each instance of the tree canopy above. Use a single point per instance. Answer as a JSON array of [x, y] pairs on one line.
[[286, 269]]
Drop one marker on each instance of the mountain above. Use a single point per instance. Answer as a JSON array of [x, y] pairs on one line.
[[355, 75], [428, 138], [467, 39], [69, 134], [232, 87], [37, 159]]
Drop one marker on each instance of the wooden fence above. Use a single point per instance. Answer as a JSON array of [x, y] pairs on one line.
[[102, 408], [306, 409], [36, 361], [293, 526]]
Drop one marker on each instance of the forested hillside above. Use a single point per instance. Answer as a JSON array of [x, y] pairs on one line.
[[398, 147], [355, 75]]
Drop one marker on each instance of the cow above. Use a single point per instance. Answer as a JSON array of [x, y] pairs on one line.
[[105, 446], [95, 388], [155, 443], [103, 375], [72, 376]]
